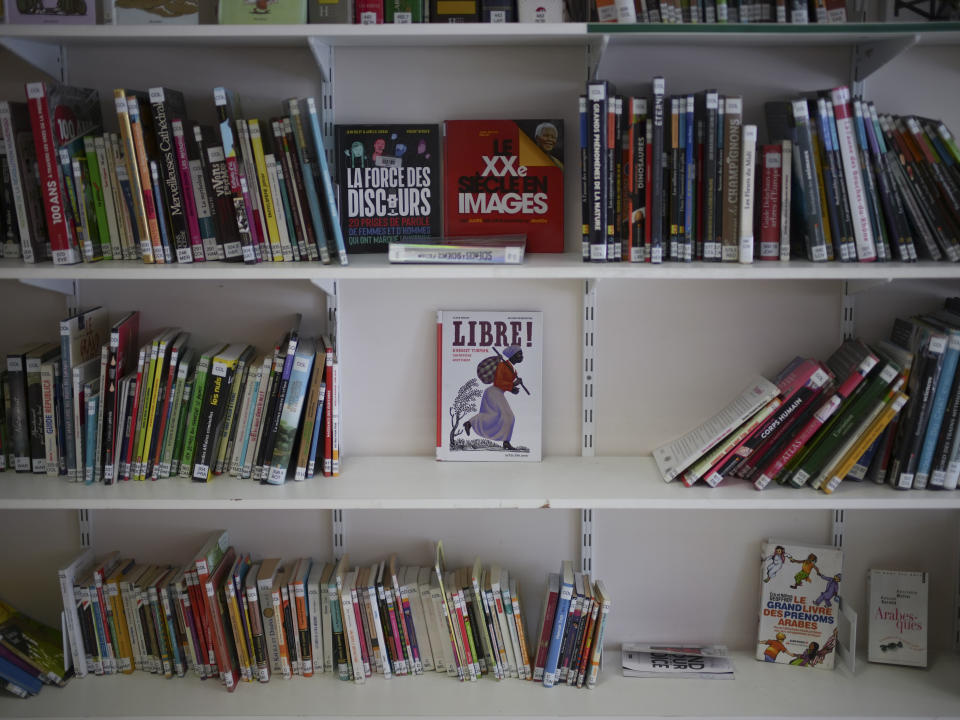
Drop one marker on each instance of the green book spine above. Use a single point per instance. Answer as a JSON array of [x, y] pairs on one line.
[[170, 435], [96, 191], [182, 422], [844, 424], [193, 418]]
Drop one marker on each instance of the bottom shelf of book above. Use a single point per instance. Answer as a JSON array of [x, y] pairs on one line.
[[758, 690]]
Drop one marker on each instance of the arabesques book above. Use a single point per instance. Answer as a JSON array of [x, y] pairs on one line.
[[489, 368], [799, 604]]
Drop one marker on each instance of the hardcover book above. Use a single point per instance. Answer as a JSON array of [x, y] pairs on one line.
[[489, 404], [505, 177], [799, 604], [897, 632], [389, 177], [267, 12]]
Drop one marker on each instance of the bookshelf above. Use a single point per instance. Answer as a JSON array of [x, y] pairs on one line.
[[672, 344]]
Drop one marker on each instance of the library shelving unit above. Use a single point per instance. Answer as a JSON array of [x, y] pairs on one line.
[[634, 356]]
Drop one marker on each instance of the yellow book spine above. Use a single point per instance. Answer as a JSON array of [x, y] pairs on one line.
[[124, 646], [133, 174], [266, 195], [846, 463], [239, 641], [145, 424], [824, 212]]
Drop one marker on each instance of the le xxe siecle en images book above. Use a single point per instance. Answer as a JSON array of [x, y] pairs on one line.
[[489, 385], [799, 605]]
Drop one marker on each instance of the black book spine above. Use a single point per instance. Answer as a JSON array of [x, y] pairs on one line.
[[711, 251], [18, 418], [656, 216], [638, 220], [306, 219], [38, 449], [615, 252], [676, 168], [585, 220], [597, 102], [216, 394], [233, 158], [843, 198], [167, 106], [948, 432], [273, 419], [807, 189], [203, 193], [228, 223]]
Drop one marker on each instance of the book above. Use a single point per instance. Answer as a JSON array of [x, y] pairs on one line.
[[478, 362], [330, 11], [50, 13], [137, 12], [505, 177], [676, 456], [798, 604], [266, 12], [897, 625], [480, 250], [39, 645], [389, 178], [700, 662], [16, 136]]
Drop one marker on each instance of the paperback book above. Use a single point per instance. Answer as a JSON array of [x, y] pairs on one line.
[[505, 176], [701, 662], [481, 250], [489, 367], [897, 633], [389, 177], [800, 586]]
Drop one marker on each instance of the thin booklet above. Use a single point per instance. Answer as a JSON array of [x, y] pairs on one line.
[[705, 662], [480, 250]]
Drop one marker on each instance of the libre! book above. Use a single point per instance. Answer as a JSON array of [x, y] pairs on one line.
[[505, 177], [799, 605], [489, 402], [389, 178]]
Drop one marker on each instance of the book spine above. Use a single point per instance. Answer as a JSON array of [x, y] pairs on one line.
[[733, 115], [597, 102], [556, 635], [194, 200], [250, 184], [309, 185], [863, 231], [323, 171], [805, 171], [62, 240], [747, 176], [151, 232], [656, 208], [770, 190]]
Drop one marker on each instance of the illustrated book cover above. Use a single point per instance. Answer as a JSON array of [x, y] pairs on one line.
[[149, 12], [799, 609], [255, 12], [389, 178], [489, 385], [505, 177], [897, 630], [51, 12]]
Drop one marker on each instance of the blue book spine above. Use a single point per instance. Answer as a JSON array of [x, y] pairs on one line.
[[161, 213], [556, 636], [19, 677], [90, 439], [940, 399], [100, 632], [171, 632], [691, 183], [291, 412], [315, 441], [324, 172]]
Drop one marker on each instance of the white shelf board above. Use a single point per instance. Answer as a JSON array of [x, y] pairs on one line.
[[423, 483], [419, 35], [759, 690], [536, 267]]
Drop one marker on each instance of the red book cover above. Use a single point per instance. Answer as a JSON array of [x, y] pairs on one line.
[[369, 12], [770, 202], [60, 116], [505, 177]]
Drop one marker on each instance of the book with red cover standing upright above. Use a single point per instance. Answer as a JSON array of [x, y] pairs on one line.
[[504, 177]]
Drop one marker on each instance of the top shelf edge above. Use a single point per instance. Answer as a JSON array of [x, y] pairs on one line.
[[578, 34]]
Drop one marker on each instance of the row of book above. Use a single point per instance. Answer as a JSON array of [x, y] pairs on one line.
[[283, 12], [887, 412], [682, 178], [721, 11], [164, 189], [225, 615], [95, 409]]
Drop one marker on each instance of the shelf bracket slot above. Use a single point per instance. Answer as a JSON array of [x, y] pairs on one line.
[[323, 56], [837, 531], [868, 57], [339, 534], [589, 351], [586, 541], [46, 57], [85, 519], [848, 303]]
